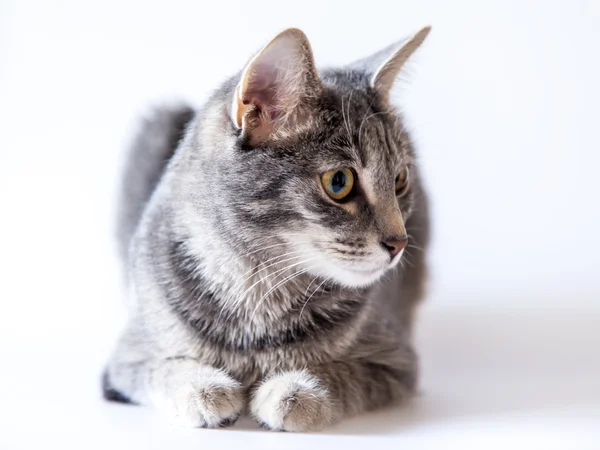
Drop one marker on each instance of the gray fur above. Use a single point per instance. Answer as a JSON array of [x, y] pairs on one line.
[[152, 148], [214, 228]]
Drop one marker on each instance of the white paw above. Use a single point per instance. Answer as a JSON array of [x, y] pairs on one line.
[[292, 401], [200, 396]]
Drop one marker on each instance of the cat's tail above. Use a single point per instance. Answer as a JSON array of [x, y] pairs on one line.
[[151, 149]]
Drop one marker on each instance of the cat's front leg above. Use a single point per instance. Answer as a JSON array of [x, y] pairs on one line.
[[187, 392], [195, 395], [316, 397]]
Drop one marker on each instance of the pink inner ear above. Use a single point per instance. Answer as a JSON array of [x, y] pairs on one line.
[[263, 103], [262, 92], [276, 83], [273, 79]]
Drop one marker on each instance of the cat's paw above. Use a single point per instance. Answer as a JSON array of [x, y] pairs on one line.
[[202, 397], [292, 401]]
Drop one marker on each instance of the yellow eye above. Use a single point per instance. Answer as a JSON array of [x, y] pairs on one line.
[[402, 180], [338, 183]]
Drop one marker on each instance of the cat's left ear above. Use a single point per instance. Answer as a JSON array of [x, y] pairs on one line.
[[384, 66], [275, 89]]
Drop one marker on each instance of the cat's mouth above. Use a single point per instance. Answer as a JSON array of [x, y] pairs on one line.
[[356, 272]]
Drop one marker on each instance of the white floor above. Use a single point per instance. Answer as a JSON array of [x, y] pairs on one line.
[[528, 378]]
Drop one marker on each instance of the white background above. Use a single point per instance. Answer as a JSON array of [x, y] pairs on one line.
[[503, 103]]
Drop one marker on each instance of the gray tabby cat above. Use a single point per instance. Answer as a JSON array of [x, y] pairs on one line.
[[263, 238]]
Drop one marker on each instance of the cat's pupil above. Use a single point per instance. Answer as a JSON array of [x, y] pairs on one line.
[[338, 181]]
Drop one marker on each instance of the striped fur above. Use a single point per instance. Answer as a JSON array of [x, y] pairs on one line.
[[249, 287]]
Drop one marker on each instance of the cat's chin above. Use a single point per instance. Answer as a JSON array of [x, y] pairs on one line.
[[354, 278]]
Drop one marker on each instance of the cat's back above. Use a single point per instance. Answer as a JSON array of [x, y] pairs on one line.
[[151, 149]]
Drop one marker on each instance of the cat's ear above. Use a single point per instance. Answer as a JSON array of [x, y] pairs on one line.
[[275, 87], [384, 66]]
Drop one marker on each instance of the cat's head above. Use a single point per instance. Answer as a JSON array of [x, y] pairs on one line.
[[318, 172]]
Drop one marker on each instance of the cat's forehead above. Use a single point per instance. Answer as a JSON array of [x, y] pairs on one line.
[[355, 129]]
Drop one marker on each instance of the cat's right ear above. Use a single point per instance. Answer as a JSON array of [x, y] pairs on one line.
[[276, 86]]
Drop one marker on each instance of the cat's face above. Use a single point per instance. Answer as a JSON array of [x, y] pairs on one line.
[[355, 196], [320, 178], [331, 201]]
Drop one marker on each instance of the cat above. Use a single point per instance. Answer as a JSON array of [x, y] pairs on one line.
[[265, 239]]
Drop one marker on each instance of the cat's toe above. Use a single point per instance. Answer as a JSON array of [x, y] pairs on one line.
[[292, 401], [204, 400], [227, 422]]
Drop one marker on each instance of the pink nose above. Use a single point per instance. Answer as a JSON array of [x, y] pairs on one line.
[[394, 245]]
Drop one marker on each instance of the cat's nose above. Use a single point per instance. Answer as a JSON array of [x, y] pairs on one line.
[[394, 245]]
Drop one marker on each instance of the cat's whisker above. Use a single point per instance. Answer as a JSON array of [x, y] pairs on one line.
[[303, 234], [345, 122], [413, 243], [312, 281], [241, 297], [348, 116], [405, 259], [237, 298], [234, 299], [256, 269], [307, 240], [365, 120], [285, 280], [280, 244], [311, 295], [370, 108]]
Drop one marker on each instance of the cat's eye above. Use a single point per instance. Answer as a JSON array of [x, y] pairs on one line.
[[338, 183], [401, 181]]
